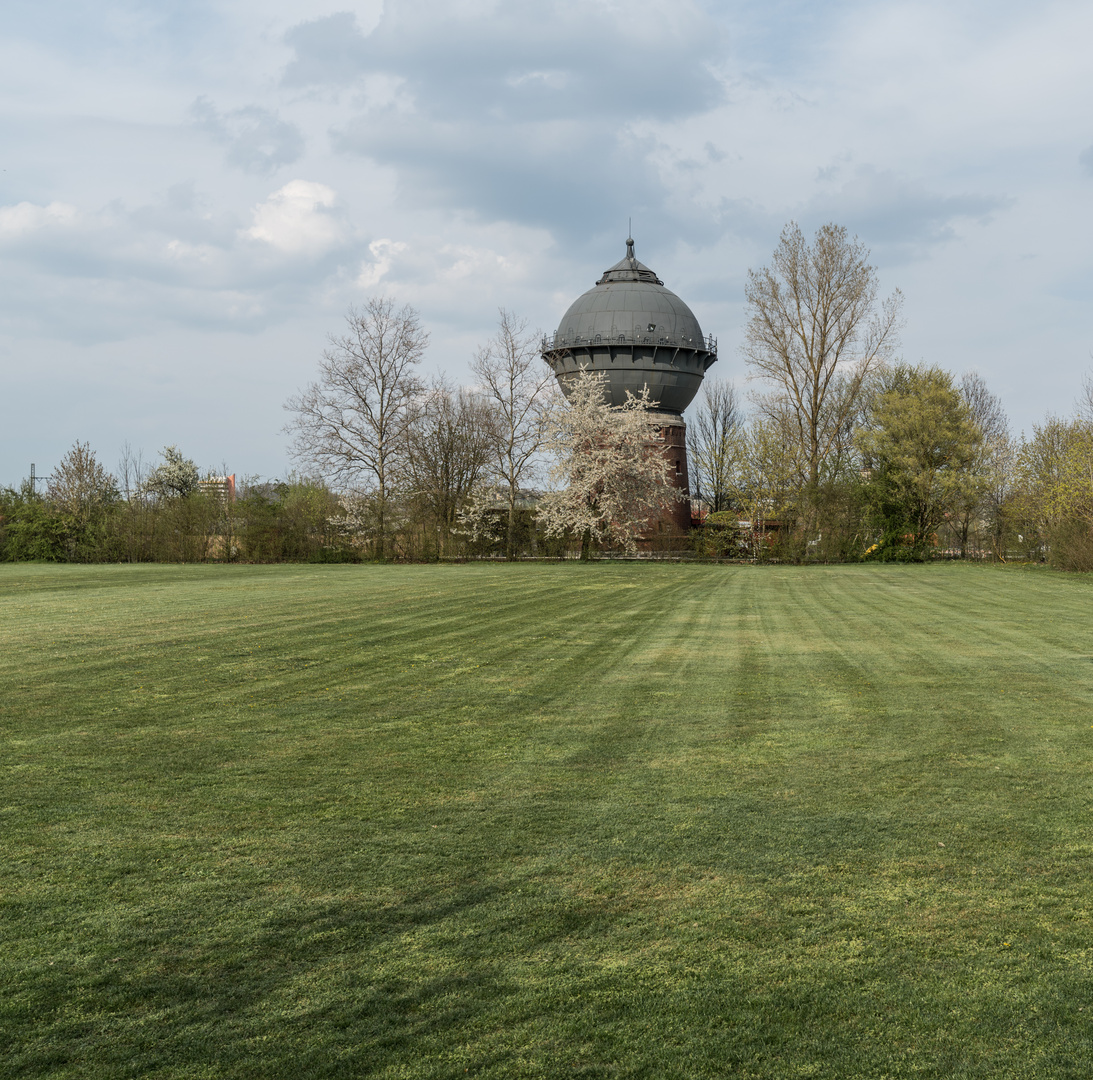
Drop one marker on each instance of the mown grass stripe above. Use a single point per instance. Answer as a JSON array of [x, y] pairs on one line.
[[619, 820]]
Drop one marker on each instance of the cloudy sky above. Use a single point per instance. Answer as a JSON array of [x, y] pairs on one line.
[[194, 191]]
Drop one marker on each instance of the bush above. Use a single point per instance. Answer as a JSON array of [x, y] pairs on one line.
[[1072, 546], [335, 555], [896, 545], [29, 530], [720, 537]]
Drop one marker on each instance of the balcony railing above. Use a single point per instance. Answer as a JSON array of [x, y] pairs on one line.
[[678, 341]]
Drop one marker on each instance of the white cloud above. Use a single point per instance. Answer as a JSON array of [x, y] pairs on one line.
[[471, 262], [26, 217], [85, 274], [500, 149], [554, 79], [383, 254], [301, 218]]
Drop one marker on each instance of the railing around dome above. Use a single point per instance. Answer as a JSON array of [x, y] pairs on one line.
[[575, 341]]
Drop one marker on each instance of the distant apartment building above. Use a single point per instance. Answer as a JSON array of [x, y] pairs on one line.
[[223, 487]]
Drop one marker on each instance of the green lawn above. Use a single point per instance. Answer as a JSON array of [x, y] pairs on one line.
[[538, 821]]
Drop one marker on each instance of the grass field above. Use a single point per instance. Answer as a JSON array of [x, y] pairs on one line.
[[538, 821]]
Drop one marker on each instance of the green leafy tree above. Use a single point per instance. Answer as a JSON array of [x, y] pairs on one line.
[[1054, 481], [918, 446], [290, 520], [30, 529]]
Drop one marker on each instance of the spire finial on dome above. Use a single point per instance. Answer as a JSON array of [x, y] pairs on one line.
[[629, 269]]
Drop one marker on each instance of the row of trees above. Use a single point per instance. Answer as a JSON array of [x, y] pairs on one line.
[[405, 470], [369, 423], [930, 468], [912, 460], [844, 452], [462, 463], [849, 452], [166, 513]]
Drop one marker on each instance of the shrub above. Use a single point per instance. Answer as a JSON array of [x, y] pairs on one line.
[[1072, 546]]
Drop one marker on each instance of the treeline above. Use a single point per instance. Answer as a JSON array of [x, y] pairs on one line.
[[923, 466], [85, 516], [845, 454], [390, 468], [452, 471], [849, 453]]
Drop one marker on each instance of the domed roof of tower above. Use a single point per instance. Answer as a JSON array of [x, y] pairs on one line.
[[637, 333], [629, 269], [629, 299]]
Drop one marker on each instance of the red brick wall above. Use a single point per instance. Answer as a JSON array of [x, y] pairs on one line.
[[674, 449]]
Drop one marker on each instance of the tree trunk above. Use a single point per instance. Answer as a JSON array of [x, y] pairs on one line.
[[380, 530], [510, 537]]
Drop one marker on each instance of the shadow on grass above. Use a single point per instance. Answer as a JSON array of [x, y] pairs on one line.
[[342, 989]]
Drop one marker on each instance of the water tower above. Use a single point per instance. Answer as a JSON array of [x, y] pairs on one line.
[[638, 333]]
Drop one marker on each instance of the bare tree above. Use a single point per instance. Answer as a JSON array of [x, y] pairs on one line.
[[82, 494], [350, 424], [765, 476], [132, 473], [815, 327], [137, 516], [991, 464], [1085, 401], [985, 408], [517, 388], [609, 459], [450, 446], [712, 443]]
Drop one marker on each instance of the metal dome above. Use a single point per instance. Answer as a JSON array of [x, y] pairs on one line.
[[638, 333]]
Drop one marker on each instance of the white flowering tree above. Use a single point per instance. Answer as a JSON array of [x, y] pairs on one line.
[[176, 478], [609, 478]]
